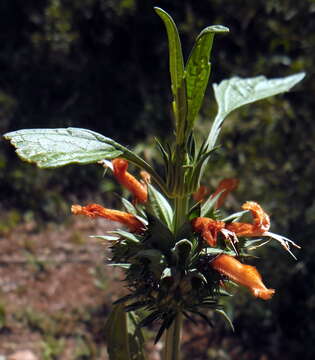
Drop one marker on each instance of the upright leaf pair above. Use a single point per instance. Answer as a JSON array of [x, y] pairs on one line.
[[188, 83]]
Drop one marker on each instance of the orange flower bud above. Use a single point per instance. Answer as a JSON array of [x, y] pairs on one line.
[[242, 274], [200, 194], [95, 210], [226, 186], [261, 222], [208, 228], [139, 190]]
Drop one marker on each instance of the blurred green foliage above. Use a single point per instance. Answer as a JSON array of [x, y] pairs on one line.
[[102, 65]]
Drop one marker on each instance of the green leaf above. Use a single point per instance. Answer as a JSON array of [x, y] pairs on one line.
[[117, 334], [236, 92], [236, 216], [57, 147], [105, 237], [176, 64], [158, 234], [135, 337], [160, 206], [129, 207], [175, 50], [198, 69], [226, 317], [49, 148], [121, 265], [208, 206], [183, 249]]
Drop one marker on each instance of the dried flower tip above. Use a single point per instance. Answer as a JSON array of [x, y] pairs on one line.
[[225, 186], [146, 177], [127, 180], [242, 274], [95, 210], [208, 228], [201, 193]]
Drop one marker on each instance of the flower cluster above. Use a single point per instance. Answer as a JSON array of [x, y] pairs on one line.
[[168, 271]]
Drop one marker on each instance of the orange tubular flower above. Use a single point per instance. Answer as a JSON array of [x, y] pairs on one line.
[[226, 186], [200, 194], [208, 228], [242, 274], [138, 189], [261, 222], [95, 210]]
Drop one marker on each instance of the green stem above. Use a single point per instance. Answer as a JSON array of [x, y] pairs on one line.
[[172, 339], [181, 209]]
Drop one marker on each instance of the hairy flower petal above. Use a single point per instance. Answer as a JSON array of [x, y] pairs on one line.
[[208, 228], [225, 187], [242, 274], [127, 180], [95, 210]]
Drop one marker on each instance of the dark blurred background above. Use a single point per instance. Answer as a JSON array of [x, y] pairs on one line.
[[103, 65]]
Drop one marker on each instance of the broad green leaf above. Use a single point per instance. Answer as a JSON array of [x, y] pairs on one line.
[[198, 69], [236, 92], [49, 148], [117, 334], [160, 206], [176, 64], [57, 147]]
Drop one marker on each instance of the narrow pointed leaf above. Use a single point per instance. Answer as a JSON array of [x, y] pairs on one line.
[[57, 147], [226, 318], [105, 237], [128, 206], [158, 234], [136, 339], [197, 70], [236, 216], [183, 249], [176, 64], [236, 92], [208, 206], [160, 206], [175, 50], [123, 266], [126, 235], [117, 334]]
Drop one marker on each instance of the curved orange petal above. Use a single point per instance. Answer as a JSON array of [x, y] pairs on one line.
[[95, 210], [226, 186], [261, 219], [242, 274], [208, 228], [261, 222], [127, 180]]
